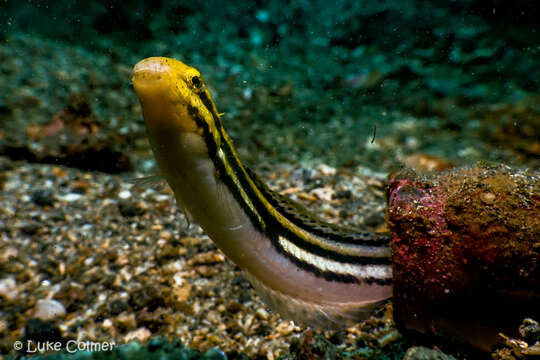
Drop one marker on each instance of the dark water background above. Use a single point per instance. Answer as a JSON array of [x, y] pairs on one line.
[[298, 80]]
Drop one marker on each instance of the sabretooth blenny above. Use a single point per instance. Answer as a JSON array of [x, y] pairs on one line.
[[307, 270]]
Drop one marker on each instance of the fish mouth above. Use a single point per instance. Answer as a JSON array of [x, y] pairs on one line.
[[150, 71]]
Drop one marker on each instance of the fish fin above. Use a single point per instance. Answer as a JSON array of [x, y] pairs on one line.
[[155, 181], [318, 315], [187, 215]]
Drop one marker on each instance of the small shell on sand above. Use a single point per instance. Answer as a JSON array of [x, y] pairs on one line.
[[49, 309]]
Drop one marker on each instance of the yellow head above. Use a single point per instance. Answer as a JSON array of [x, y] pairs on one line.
[[173, 97]]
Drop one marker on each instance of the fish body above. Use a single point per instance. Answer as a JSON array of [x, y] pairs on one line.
[[307, 270]]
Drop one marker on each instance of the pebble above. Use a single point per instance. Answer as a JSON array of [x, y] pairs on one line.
[[70, 197], [125, 194], [207, 271], [178, 279], [28, 227], [326, 170], [49, 309], [3, 327], [117, 306], [487, 198], [208, 258], [262, 313], [324, 193], [8, 289], [342, 194], [181, 293], [285, 328], [126, 322], [141, 334], [43, 197], [302, 176], [130, 209]]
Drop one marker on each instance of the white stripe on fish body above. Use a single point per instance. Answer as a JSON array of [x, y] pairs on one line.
[[324, 264]]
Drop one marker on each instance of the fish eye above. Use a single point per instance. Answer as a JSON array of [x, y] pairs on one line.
[[196, 81]]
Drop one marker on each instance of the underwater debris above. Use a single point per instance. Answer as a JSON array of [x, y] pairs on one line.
[[466, 252]]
